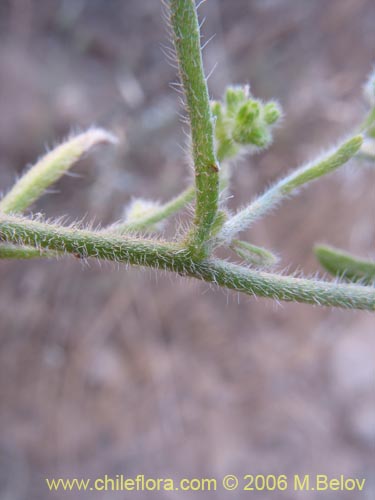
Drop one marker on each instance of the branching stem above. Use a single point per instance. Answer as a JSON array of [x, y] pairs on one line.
[[24, 238], [159, 255]]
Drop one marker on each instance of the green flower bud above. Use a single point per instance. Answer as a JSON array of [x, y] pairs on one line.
[[272, 112], [248, 113], [242, 121], [258, 136], [234, 97]]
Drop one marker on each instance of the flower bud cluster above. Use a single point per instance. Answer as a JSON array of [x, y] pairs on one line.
[[243, 121]]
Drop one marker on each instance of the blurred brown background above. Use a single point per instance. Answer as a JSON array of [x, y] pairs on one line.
[[110, 370]]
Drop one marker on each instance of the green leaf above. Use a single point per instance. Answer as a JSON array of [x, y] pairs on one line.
[[13, 252], [50, 168], [328, 164], [257, 256], [345, 265]]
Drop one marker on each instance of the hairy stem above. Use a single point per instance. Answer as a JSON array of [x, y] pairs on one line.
[[285, 187], [44, 173], [186, 35], [159, 255], [368, 121], [159, 214]]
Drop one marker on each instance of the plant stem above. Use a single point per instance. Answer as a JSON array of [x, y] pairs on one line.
[[368, 121], [186, 35], [158, 215], [285, 187], [159, 255]]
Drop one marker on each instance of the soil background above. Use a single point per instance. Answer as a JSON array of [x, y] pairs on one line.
[[108, 370]]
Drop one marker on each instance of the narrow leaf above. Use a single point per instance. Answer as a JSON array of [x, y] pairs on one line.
[[257, 256], [284, 187], [345, 265], [50, 168], [328, 164], [9, 251]]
